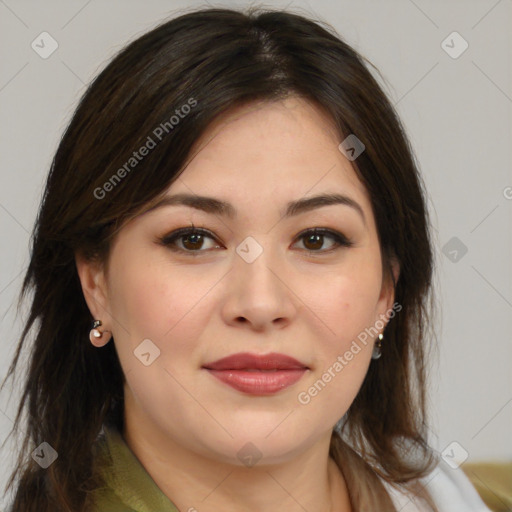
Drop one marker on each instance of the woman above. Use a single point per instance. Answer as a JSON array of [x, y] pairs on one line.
[[231, 271]]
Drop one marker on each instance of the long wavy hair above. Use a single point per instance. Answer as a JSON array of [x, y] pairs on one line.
[[219, 59]]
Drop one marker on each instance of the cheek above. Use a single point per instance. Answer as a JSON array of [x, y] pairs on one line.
[[162, 303], [333, 388], [346, 306], [154, 299], [343, 347], [343, 301]]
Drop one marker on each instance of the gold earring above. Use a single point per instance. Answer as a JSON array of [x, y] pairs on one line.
[[95, 334]]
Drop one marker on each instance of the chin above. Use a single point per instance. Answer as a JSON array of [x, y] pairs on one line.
[[261, 447]]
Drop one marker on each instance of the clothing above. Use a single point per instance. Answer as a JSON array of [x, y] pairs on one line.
[[131, 489], [493, 481], [450, 488]]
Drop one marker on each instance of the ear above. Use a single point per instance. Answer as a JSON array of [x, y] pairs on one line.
[[94, 287], [387, 296]]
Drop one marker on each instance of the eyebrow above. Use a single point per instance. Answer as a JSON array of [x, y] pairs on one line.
[[219, 207]]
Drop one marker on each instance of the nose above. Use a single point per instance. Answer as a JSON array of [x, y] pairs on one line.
[[259, 294]]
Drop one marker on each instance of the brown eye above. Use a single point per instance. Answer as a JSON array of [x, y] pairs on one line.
[[192, 240], [314, 240]]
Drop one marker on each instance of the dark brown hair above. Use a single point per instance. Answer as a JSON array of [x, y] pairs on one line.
[[219, 59]]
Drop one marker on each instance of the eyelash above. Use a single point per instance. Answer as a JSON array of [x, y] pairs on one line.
[[170, 239]]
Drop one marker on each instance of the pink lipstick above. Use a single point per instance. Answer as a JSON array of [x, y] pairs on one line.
[[257, 374]]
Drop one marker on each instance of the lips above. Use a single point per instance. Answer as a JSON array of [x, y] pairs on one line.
[[246, 361], [257, 374]]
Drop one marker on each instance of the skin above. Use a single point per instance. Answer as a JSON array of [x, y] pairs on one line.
[[185, 426]]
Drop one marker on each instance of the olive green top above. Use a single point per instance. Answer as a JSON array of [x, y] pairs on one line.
[[129, 488]]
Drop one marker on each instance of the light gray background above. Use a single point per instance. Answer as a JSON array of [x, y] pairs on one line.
[[457, 113]]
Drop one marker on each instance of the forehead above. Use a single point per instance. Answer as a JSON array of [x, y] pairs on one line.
[[287, 148], [279, 144]]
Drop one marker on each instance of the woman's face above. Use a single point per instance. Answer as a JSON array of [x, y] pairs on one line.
[[258, 282]]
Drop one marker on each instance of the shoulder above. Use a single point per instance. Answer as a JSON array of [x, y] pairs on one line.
[[450, 489]]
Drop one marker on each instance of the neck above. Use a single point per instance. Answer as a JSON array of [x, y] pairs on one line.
[[309, 481]]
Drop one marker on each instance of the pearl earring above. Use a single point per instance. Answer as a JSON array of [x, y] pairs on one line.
[[95, 334], [377, 349]]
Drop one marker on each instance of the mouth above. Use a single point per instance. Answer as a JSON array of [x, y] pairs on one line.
[[257, 374]]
